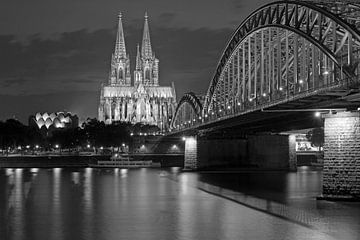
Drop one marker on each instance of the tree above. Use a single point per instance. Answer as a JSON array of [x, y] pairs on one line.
[[316, 137]]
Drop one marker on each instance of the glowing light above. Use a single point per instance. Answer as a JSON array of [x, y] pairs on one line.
[[184, 138], [238, 104], [140, 134], [27, 146], [264, 94], [194, 120], [250, 99], [220, 110], [88, 146], [301, 81], [228, 107], [200, 118], [56, 145], [36, 146], [317, 114], [131, 134], [145, 134], [281, 88], [326, 72], [19, 147], [101, 148], [206, 115], [123, 144], [212, 113]]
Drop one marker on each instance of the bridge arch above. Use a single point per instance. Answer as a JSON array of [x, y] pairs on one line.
[[188, 111], [283, 50]]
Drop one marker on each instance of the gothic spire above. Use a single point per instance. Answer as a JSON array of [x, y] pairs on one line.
[[146, 51], [120, 49], [138, 59]]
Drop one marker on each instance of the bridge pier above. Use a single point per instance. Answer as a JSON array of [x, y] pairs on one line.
[[267, 151], [341, 175]]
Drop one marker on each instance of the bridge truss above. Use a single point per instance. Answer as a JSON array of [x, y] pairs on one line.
[[283, 51]]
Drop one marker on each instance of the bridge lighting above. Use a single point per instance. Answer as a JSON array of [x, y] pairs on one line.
[[317, 114]]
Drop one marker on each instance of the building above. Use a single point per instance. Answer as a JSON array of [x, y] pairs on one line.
[[142, 100], [47, 122]]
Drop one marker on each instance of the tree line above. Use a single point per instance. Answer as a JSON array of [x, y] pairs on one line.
[[14, 134]]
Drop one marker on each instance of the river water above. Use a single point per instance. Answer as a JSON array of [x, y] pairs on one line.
[[95, 204]]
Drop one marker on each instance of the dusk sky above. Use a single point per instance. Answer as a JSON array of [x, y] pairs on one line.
[[55, 54]]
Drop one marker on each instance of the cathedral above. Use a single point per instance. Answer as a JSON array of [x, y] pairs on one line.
[[141, 100]]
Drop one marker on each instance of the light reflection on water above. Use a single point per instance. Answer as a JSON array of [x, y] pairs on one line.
[[168, 204]]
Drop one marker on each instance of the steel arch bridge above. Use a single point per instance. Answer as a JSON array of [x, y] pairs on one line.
[[283, 51]]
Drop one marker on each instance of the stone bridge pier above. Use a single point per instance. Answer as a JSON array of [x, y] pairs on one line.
[[266, 151], [341, 175]]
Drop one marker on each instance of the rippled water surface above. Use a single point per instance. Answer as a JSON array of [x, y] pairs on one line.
[[168, 204]]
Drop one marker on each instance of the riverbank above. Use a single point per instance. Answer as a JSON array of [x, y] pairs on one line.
[[63, 161]]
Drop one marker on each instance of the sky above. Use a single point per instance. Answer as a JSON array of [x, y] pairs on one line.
[[54, 55]]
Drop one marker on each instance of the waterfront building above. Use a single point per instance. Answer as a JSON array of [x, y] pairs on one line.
[[49, 121], [142, 100]]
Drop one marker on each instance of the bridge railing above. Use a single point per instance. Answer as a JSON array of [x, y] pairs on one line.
[[237, 110]]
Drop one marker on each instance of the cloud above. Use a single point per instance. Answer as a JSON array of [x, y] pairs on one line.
[[9, 82]]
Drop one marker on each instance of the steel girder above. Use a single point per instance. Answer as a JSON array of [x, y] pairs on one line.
[[188, 111], [283, 49]]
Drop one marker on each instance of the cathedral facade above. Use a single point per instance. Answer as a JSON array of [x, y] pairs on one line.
[[139, 99]]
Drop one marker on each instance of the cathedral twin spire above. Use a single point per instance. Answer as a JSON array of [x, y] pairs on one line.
[[146, 70], [120, 48], [146, 51]]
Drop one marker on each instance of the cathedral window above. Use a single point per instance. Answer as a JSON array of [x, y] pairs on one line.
[[147, 74]]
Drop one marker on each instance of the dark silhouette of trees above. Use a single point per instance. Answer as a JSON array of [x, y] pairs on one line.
[[92, 132]]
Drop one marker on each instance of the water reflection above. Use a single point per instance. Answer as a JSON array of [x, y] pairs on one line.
[[168, 204], [56, 226]]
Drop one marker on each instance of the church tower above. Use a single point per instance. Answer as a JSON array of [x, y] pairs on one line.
[[147, 66], [120, 61], [142, 101]]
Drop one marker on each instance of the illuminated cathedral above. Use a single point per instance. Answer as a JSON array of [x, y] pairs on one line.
[[141, 100]]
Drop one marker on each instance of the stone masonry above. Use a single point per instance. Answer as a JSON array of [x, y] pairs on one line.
[[341, 176]]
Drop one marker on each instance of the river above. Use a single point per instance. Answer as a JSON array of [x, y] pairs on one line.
[[95, 204]]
